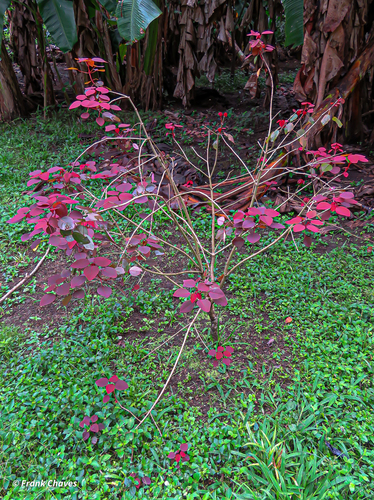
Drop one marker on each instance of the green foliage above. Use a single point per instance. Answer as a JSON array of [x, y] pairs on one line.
[[263, 437], [58, 16], [134, 16], [294, 11]]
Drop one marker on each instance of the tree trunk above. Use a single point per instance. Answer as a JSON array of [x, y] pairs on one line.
[[11, 99], [23, 35], [336, 33]]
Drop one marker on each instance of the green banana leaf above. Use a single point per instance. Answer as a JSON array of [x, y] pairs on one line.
[[4, 5], [58, 16], [134, 16], [294, 11]]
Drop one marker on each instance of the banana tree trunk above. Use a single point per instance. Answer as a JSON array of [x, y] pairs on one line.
[[11, 99], [23, 36], [336, 33]]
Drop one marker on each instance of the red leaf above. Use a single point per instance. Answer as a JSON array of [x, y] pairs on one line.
[[100, 121], [219, 355], [106, 398], [307, 240], [311, 214], [74, 105], [94, 428], [104, 291], [80, 264], [110, 388], [47, 299], [298, 228], [323, 206], [113, 378], [102, 261], [343, 211], [220, 348], [91, 272], [312, 228], [266, 219], [195, 296]]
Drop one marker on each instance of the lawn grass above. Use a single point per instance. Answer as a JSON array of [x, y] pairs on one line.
[[291, 418]]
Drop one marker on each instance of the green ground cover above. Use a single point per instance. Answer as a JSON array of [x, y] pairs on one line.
[[258, 430]]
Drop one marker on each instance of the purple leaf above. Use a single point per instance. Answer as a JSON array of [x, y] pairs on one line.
[[77, 281], [47, 299], [86, 435], [55, 241], [221, 301], [85, 421], [102, 382], [101, 427], [216, 293], [189, 283], [104, 291], [146, 480], [253, 238], [212, 352], [185, 458], [204, 304], [226, 361], [121, 385], [135, 271], [186, 307], [79, 294], [94, 428], [172, 455], [202, 287], [63, 289], [80, 264], [181, 292], [184, 447], [106, 398], [94, 440], [238, 242], [94, 418], [109, 272]]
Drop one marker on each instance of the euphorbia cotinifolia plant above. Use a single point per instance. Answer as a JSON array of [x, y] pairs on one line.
[[108, 219]]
